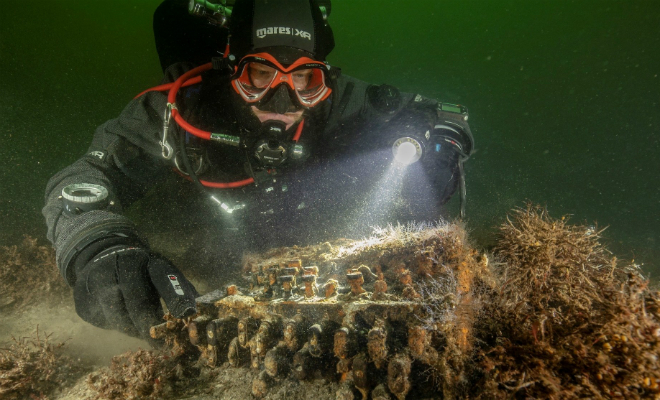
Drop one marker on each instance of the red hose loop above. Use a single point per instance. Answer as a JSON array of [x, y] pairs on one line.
[[191, 78], [228, 185], [167, 86], [189, 128], [171, 99]]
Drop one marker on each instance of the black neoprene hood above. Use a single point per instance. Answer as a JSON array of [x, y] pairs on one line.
[[286, 29]]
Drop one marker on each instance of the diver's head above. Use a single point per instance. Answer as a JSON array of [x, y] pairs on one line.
[[280, 47]]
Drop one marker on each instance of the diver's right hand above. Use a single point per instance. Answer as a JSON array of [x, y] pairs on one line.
[[120, 288]]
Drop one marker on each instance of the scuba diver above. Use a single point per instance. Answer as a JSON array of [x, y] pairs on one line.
[[261, 142]]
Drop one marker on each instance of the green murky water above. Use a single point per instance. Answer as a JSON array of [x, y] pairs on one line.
[[564, 97]]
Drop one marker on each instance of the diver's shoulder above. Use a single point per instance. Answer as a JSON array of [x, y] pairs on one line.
[[343, 80], [174, 71]]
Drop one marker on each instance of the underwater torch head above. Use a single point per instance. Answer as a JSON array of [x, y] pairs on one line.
[[407, 150]]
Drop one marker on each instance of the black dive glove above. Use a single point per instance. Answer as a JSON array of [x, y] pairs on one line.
[[120, 288]]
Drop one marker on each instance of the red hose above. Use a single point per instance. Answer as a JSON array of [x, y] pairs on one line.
[[166, 86], [171, 99], [298, 131], [186, 126], [227, 185], [188, 79]]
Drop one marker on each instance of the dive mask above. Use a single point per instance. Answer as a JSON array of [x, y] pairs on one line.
[[259, 74]]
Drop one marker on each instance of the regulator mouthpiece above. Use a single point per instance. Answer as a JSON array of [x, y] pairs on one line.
[[270, 150], [407, 151]]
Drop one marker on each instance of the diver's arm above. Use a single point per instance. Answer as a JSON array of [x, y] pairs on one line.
[[372, 108], [356, 104], [375, 116], [444, 138], [124, 157], [117, 280]]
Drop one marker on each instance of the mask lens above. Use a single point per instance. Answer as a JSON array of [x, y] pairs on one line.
[[258, 77], [301, 78], [261, 76], [254, 80], [310, 85]]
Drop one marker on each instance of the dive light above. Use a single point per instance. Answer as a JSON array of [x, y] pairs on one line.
[[407, 150], [449, 130]]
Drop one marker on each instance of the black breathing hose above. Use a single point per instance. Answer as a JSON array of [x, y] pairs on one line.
[[462, 188], [186, 162]]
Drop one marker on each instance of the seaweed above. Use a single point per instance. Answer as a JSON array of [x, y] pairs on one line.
[[568, 320], [143, 375], [549, 314], [33, 368], [29, 275]]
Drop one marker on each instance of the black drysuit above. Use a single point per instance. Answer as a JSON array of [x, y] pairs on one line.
[[342, 186]]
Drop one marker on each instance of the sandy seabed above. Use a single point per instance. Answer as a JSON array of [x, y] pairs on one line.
[[548, 313]]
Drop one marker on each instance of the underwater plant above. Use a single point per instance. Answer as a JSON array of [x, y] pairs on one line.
[[568, 319], [33, 368]]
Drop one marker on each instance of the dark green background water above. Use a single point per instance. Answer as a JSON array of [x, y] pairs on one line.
[[563, 95]]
